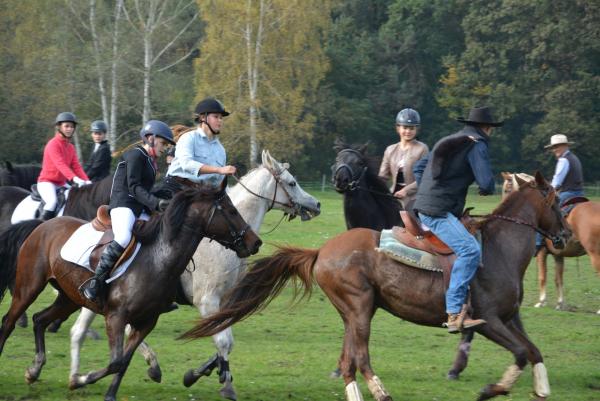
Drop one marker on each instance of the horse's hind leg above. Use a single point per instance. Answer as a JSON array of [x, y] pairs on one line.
[[462, 355], [22, 320], [542, 271], [154, 372], [62, 308], [559, 268], [135, 338]]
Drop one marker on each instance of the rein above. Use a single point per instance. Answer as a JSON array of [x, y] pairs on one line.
[[521, 222], [290, 204], [238, 237]]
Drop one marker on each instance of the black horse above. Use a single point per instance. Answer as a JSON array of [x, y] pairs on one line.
[[368, 202], [20, 175]]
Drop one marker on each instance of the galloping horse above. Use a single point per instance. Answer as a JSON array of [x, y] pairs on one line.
[[20, 175], [584, 220], [358, 280], [215, 269], [138, 297], [368, 202]]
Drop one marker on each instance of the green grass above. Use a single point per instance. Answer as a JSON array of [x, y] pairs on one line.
[[287, 354]]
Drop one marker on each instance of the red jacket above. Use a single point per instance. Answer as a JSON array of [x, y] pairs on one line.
[[60, 162]]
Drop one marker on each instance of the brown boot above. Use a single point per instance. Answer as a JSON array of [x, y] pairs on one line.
[[459, 321]]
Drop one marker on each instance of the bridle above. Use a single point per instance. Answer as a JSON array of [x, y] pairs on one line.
[[355, 176], [291, 204], [238, 236]]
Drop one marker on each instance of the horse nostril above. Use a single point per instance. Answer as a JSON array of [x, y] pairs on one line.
[[318, 205]]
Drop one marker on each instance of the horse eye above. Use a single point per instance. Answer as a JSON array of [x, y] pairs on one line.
[[292, 184]]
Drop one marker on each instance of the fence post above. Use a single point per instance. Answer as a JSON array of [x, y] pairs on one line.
[[323, 183]]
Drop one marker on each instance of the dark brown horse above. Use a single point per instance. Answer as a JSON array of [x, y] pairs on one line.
[[19, 175], [358, 280], [138, 297], [368, 202]]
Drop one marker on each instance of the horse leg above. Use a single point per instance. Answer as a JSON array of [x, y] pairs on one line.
[[347, 366], [541, 387], [154, 372], [135, 338], [62, 308], [542, 269], [559, 268], [498, 332], [115, 329], [80, 327], [462, 355], [22, 320]]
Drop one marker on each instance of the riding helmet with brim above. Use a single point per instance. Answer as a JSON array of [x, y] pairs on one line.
[[157, 128], [65, 116], [480, 115], [209, 105]]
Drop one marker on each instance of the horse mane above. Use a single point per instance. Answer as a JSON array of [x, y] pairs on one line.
[[20, 175], [509, 202], [172, 221], [374, 182]]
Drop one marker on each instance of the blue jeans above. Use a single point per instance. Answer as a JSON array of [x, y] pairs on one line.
[[562, 197], [450, 230]]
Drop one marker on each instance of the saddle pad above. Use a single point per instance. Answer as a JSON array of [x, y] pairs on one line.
[[26, 210], [80, 245], [389, 246]]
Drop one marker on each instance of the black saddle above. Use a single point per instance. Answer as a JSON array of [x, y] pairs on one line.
[[61, 199]]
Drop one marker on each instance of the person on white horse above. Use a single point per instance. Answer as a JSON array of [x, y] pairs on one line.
[[199, 155], [59, 164], [130, 196]]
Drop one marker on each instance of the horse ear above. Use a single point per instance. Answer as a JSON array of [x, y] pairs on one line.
[[9, 166], [540, 181], [266, 159], [339, 144], [520, 182], [363, 148], [506, 175]]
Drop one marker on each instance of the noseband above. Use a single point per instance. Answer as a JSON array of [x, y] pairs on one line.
[[356, 177], [238, 236]]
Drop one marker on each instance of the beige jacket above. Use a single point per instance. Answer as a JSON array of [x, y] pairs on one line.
[[392, 160]]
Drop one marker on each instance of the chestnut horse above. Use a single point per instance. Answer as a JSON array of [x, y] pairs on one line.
[[138, 297], [584, 220], [358, 280]]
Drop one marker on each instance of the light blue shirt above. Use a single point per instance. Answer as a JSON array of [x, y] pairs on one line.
[[562, 168], [194, 149]]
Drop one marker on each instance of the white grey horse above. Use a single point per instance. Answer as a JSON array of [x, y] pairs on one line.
[[215, 269]]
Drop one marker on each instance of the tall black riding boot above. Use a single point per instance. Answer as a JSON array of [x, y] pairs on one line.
[[94, 287], [48, 214]]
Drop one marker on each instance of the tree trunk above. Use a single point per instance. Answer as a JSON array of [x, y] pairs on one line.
[[112, 137]]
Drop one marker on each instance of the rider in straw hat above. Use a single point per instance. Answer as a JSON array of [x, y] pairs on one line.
[[568, 174], [455, 162]]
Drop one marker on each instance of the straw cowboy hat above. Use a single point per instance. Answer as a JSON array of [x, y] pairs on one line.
[[480, 115], [558, 139]]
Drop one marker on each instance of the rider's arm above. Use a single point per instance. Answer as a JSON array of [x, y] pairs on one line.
[[411, 188], [54, 152], [385, 170], [562, 168], [419, 168], [482, 170], [184, 152], [77, 169], [134, 180]]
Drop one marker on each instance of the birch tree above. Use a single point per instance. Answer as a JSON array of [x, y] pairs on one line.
[[274, 62]]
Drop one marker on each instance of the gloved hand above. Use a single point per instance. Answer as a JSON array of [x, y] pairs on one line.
[[88, 182], [78, 181], [163, 204]]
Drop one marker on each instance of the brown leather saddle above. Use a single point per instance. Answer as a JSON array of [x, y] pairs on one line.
[[413, 236], [103, 223]]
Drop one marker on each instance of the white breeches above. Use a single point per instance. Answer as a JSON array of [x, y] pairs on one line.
[[47, 191], [122, 219]]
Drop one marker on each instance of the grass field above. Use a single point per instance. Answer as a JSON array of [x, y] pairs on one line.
[[287, 354]]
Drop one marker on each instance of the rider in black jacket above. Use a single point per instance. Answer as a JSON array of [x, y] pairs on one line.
[[98, 164], [130, 196]]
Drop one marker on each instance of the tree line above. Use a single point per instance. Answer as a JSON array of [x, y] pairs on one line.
[[297, 74]]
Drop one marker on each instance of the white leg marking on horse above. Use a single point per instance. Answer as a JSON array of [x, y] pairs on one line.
[[376, 388], [540, 380], [510, 377], [353, 392], [80, 327], [465, 347]]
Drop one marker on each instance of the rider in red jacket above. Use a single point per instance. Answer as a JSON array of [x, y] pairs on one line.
[[60, 164]]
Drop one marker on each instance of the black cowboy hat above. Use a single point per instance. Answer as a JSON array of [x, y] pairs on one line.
[[480, 115]]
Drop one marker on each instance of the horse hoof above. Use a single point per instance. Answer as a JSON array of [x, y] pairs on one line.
[[452, 375], [228, 392], [336, 374], [30, 375], [155, 374], [598, 313], [491, 391], [559, 307], [540, 304], [75, 382], [110, 398], [190, 377]]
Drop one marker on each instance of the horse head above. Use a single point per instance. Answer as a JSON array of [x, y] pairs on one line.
[[512, 182], [550, 221], [220, 220], [288, 196], [351, 164]]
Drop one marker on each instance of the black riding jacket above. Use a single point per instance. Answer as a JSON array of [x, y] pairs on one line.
[[134, 177], [98, 165]]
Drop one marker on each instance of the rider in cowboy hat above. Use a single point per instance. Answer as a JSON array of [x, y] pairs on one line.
[[455, 163]]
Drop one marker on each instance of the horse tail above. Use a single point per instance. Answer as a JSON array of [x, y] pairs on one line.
[[11, 240], [263, 281]]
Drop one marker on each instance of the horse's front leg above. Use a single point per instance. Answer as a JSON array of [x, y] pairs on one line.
[[542, 270], [154, 372], [115, 330], [224, 343], [559, 269], [136, 336], [462, 355]]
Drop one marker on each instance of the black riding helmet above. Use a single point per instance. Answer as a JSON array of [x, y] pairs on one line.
[[209, 105], [99, 126]]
